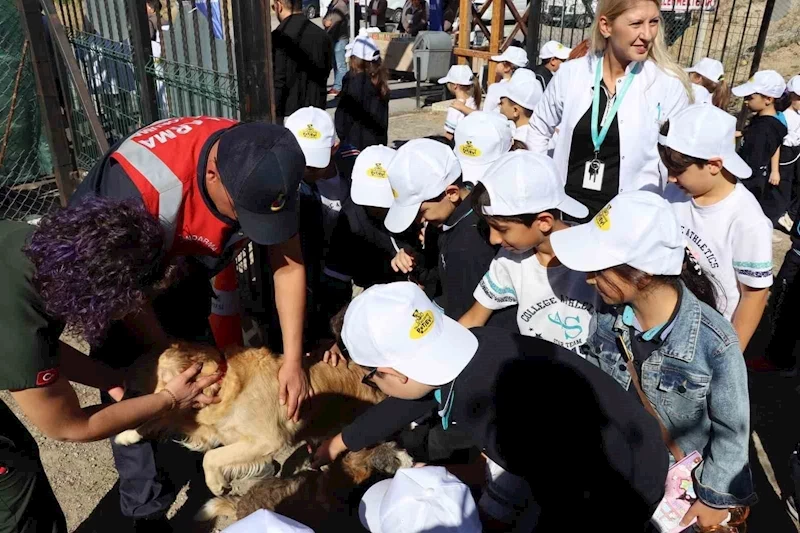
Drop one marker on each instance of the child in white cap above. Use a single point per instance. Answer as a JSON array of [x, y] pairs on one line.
[[664, 342], [362, 115], [486, 383], [552, 54], [761, 140], [418, 500], [263, 521], [513, 59], [521, 198], [465, 87], [518, 98], [480, 140], [708, 83], [725, 228], [427, 186]]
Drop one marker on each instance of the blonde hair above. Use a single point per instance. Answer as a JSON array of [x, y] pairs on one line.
[[658, 54]]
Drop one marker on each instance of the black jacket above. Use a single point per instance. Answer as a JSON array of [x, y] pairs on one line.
[[545, 414], [362, 116], [302, 58], [544, 75]]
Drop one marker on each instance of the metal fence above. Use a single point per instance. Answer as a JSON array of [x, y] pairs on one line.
[[27, 186], [726, 30], [189, 62]]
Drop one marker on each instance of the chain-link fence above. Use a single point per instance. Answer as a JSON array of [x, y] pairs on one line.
[[190, 60], [27, 186]]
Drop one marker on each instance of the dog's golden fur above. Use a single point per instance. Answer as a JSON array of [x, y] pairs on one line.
[[326, 492], [242, 432]]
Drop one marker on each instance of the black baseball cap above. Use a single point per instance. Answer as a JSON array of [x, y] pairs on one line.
[[261, 166]]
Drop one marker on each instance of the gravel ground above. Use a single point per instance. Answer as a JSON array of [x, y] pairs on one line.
[[83, 475]]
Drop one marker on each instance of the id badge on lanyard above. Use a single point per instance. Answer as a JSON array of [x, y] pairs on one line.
[[594, 170]]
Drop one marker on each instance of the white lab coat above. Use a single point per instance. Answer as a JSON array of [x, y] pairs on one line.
[[653, 97]]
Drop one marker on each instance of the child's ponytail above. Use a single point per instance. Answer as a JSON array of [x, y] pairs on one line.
[[477, 94], [721, 95], [698, 280]]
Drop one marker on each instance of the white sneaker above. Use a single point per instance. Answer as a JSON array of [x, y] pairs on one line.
[[786, 222]]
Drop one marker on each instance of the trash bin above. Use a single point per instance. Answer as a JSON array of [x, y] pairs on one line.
[[434, 50]]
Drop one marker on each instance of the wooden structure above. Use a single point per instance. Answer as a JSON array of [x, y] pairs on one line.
[[470, 17]]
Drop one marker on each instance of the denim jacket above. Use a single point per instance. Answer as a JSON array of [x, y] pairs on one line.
[[697, 382]]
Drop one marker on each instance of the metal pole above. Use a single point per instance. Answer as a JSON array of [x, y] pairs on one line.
[[44, 71], [759, 51], [142, 51], [253, 40], [352, 17], [532, 40]]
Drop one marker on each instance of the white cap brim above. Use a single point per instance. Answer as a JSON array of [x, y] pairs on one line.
[[577, 249], [572, 207], [400, 217], [317, 157], [430, 365], [736, 166], [744, 90], [500, 59], [371, 196], [369, 510]]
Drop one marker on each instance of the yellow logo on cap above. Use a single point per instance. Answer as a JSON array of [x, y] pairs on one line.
[[395, 193], [423, 322], [469, 150], [559, 46], [311, 133], [751, 80], [279, 202], [378, 172], [602, 220]]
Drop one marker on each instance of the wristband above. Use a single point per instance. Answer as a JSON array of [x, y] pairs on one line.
[[172, 397]]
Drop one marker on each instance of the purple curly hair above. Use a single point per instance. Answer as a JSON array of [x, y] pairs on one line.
[[94, 262]]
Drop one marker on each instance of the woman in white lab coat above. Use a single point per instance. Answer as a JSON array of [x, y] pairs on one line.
[[628, 86]]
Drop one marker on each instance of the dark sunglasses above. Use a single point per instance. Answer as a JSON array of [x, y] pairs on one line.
[[367, 379]]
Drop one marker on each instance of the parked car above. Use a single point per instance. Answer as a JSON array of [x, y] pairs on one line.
[[569, 13], [521, 6], [311, 9]]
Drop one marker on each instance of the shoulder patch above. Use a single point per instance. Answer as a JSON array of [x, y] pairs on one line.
[[46, 377]]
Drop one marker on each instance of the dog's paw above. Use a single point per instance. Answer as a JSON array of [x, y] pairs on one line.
[[126, 438], [218, 486]]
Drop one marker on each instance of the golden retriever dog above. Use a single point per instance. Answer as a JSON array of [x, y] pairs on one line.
[[241, 434], [322, 499]]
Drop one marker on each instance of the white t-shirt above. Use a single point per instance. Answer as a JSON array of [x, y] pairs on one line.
[[492, 100], [523, 134], [793, 125], [731, 239], [454, 116], [555, 304], [701, 94]]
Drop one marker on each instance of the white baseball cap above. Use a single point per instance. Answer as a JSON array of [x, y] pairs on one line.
[[265, 520], [766, 82], [708, 68], [313, 128], [395, 325], [421, 170], [706, 132], [554, 49], [523, 89], [416, 500], [794, 85], [524, 182], [365, 48], [480, 139], [458, 74], [636, 228], [514, 55], [370, 177]]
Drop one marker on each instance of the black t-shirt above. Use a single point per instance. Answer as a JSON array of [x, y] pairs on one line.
[[543, 413], [544, 75], [582, 151], [760, 139]]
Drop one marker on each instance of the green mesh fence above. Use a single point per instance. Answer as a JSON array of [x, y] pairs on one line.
[[27, 186]]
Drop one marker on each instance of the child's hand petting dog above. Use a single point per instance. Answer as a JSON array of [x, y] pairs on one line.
[[403, 262], [328, 451], [333, 356]]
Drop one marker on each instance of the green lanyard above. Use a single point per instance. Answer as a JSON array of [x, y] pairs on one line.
[[598, 138]]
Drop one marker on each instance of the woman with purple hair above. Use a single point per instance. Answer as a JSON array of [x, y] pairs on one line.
[[83, 267]]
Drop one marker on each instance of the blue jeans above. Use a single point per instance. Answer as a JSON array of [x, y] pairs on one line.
[[339, 63]]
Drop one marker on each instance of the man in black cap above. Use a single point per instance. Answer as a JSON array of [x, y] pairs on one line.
[[213, 183]]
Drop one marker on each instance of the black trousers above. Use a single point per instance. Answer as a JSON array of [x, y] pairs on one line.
[[777, 198], [786, 296], [145, 492]]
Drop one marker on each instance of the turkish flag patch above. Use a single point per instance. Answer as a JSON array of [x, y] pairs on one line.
[[46, 377]]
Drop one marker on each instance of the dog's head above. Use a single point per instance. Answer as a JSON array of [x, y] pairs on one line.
[[180, 356]]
